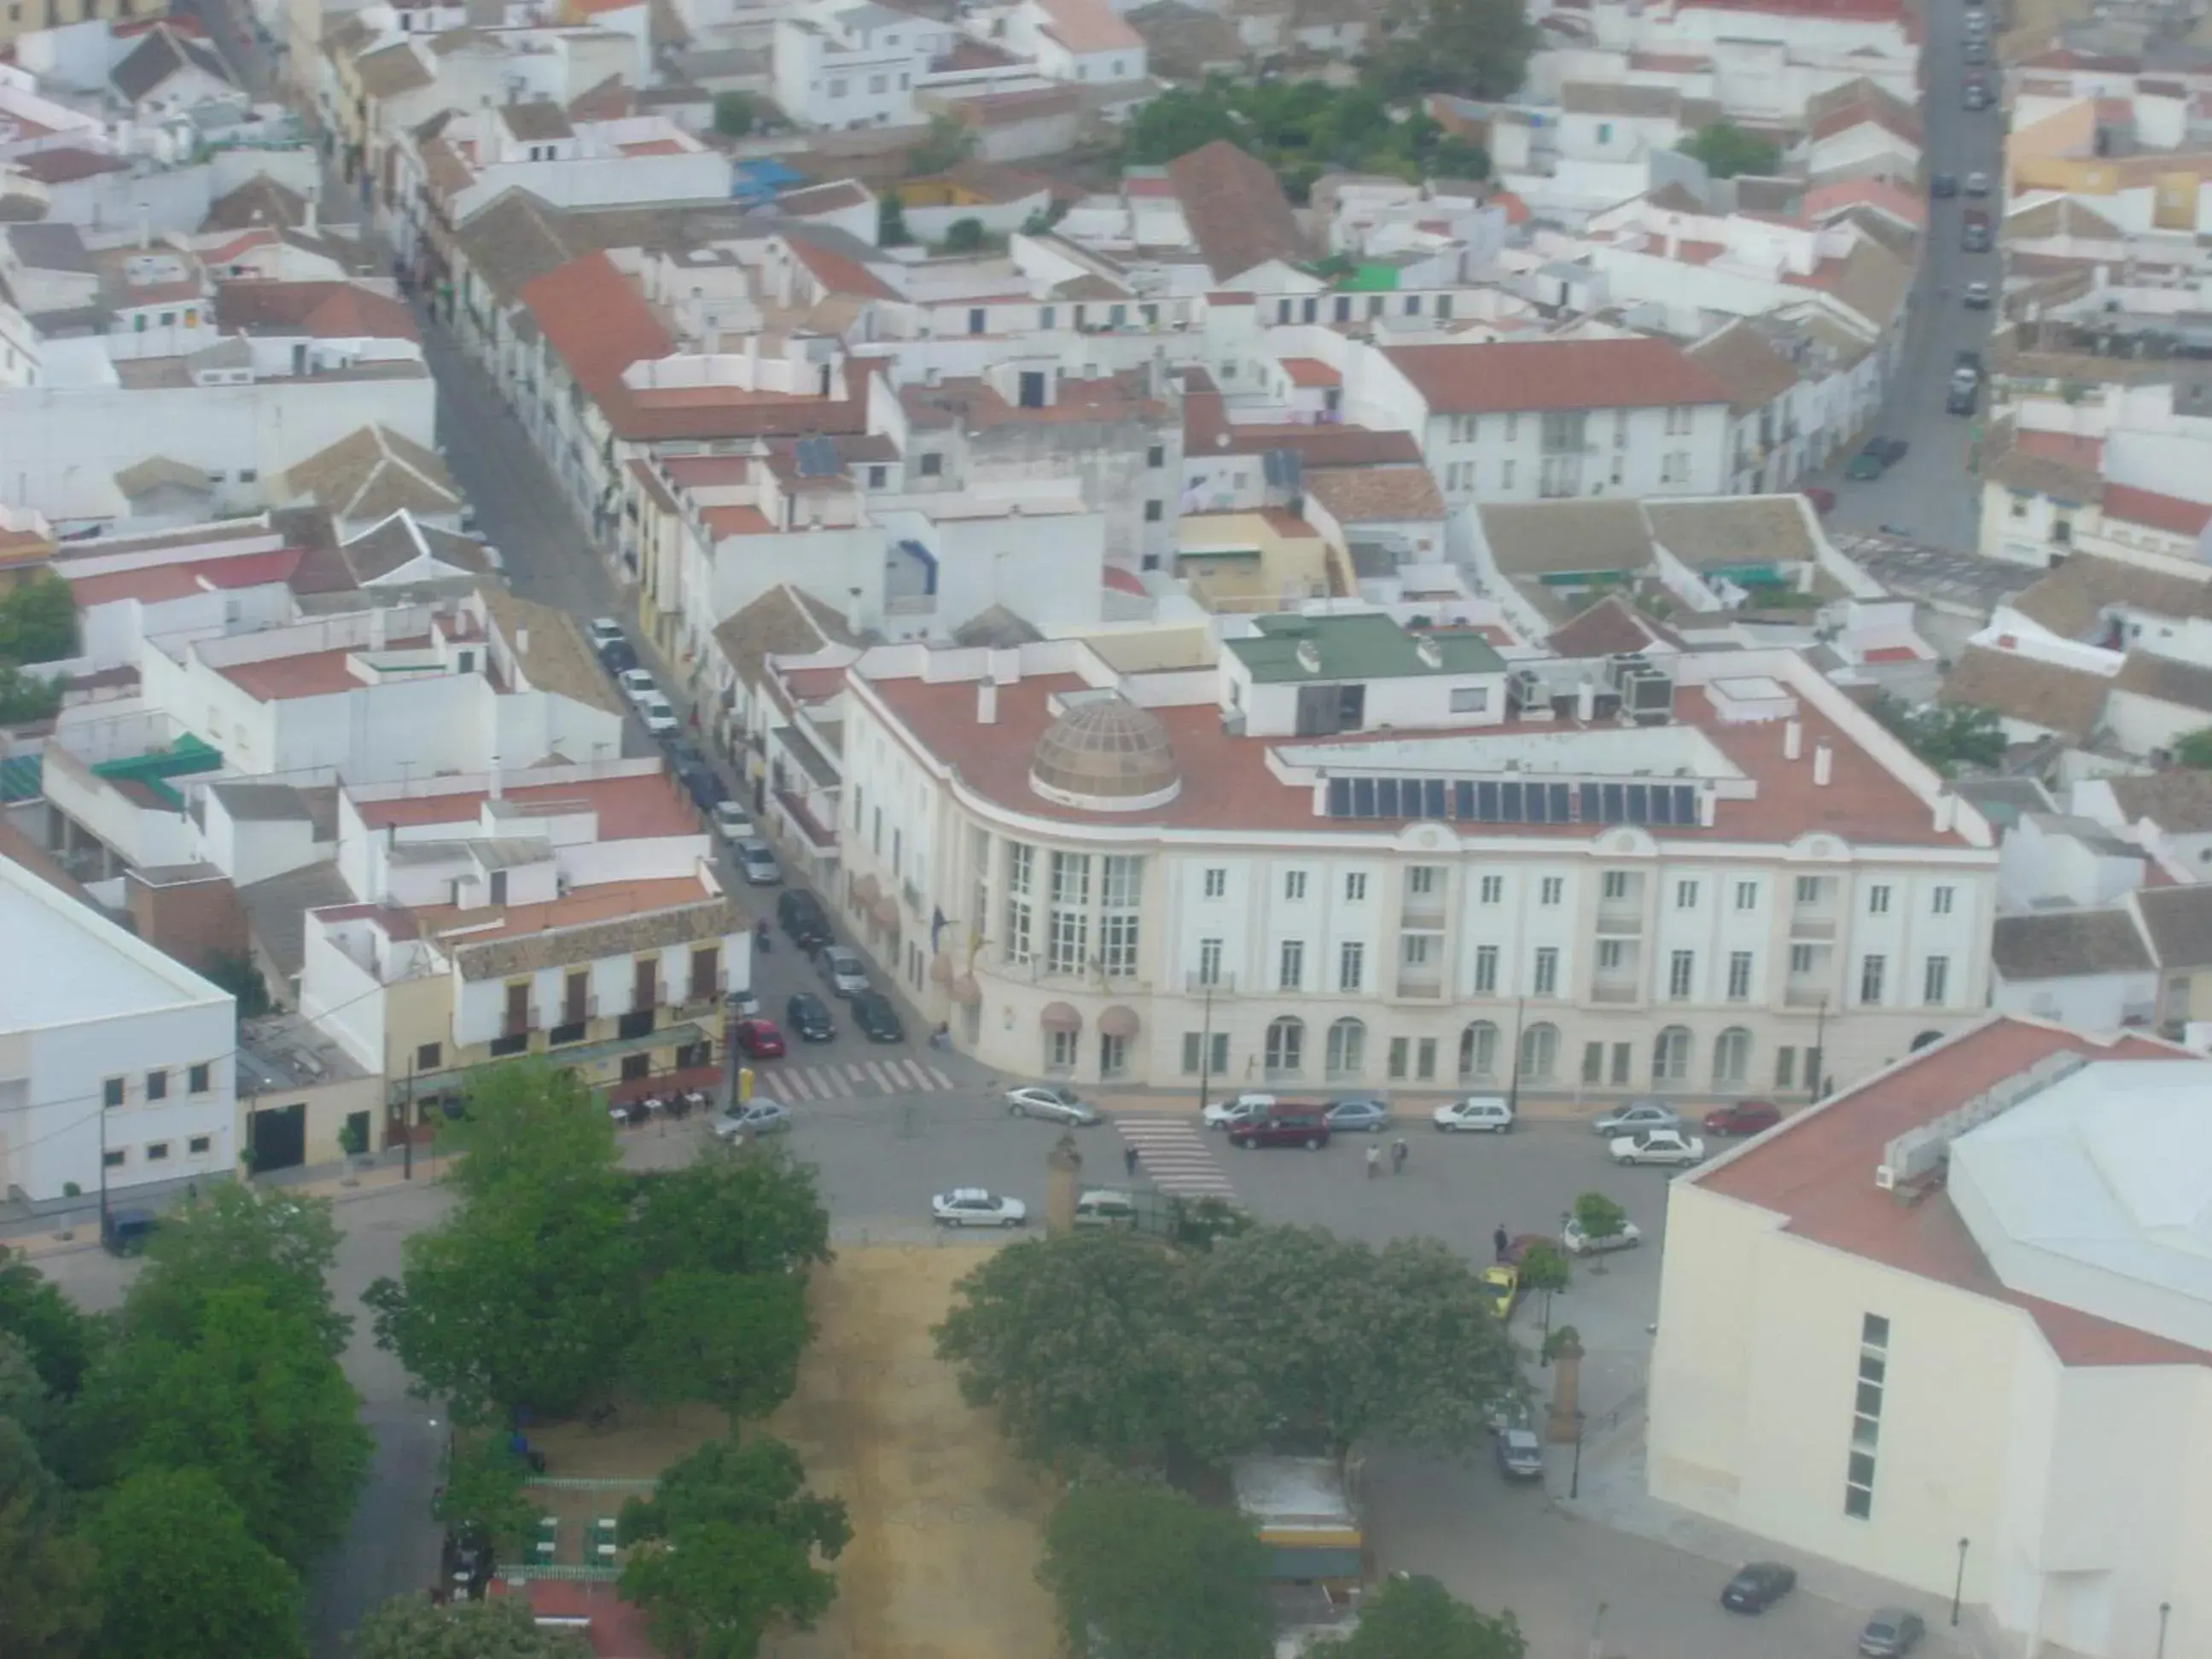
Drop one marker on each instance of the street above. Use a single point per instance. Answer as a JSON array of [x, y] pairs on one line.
[[1930, 493]]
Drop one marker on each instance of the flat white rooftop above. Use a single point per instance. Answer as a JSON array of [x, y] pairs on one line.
[[62, 963]]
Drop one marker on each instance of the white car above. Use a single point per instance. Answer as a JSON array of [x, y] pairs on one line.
[[602, 632], [1477, 1114], [1050, 1101], [1575, 1241], [659, 717], [1977, 184], [1658, 1146], [637, 684], [731, 821], [761, 1115], [971, 1206], [1227, 1114]]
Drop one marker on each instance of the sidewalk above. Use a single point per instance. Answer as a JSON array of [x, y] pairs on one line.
[[1415, 1104]]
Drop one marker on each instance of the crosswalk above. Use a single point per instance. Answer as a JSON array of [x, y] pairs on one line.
[[1174, 1154], [847, 1079]]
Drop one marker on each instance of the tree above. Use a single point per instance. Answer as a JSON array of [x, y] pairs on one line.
[[48, 1609], [949, 142], [732, 1210], [724, 1548], [1476, 48], [60, 1339], [1418, 1617], [252, 1396], [1544, 1268], [1092, 1346], [38, 622], [179, 1574], [532, 1123], [735, 114], [26, 699], [1141, 1572], [234, 972], [409, 1627], [1600, 1218], [964, 235], [1945, 735], [484, 1488], [280, 1242], [890, 221], [1178, 121], [731, 1339], [2195, 751], [1727, 150]]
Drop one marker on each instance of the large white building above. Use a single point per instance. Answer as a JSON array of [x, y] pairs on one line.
[[1955, 1327], [1349, 853], [110, 1053]]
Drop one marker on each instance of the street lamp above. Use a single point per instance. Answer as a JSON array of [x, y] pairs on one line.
[[1819, 1057], [1958, 1584], [1513, 1087], [1575, 1479], [1205, 1048], [2165, 1610]]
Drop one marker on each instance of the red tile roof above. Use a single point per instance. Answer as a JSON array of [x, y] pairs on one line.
[[152, 584], [67, 165], [839, 274], [647, 806], [2147, 506], [1310, 371], [328, 310], [1234, 206], [596, 321], [1818, 1170], [1548, 375]]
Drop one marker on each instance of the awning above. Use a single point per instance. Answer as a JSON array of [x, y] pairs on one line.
[[1118, 1022], [940, 969], [866, 891], [966, 992], [455, 1080], [885, 910], [1059, 1017]]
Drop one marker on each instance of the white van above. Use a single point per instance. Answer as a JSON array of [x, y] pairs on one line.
[[1106, 1206]]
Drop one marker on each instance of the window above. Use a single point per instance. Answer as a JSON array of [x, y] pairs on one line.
[[1800, 959], [1350, 965], [1553, 890], [111, 1158], [1493, 890], [1739, 980], [1485, 970], [199, 1145], [1546, 979], [1935, 982], [1470, 699], [1153, 511], [157, 1085], [1285, 1047], [1294, 886], [199, 1080], [1291, 965], [157, 1151], [1611, 954], [1424, 1060], [1209, 962], [111, 1093], [1878, 901], [1157, 456], [1940, 900], [1355, 888], [1866, 1416], [1113, 1056], [932, 464], [1732, 1058], [1347, 1048], [1786, 1068], [1120, 894], [1424, 880], [1593, 1062], [1871, 970], [1217, 884], [1681, 969], [429, 1057], [1400, 1060], [1505, 473], [1478, 1051], [1746, 895], [877, 477], [1670, 1056], [878, 83], [1021, 901], [1539, 1051], [1615, 886], [1808, 889], [1195, 1058], [1686, 896], [1060, 1050]]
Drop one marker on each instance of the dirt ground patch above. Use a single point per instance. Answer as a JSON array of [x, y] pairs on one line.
[[946, 1521]]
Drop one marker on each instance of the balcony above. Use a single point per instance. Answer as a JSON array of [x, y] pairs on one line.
[[1615, 991], [1219, 985], [1620, 919], [1806, 996], [1422, 912], [1424, 984], [518, 1023], [1812, 926], [644, 998]]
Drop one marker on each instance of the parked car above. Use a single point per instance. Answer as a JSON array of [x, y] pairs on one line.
[[1575, 1242], [760, 1115], [847, 973], [1357, 1114], [602, 632], [733, 822], [757, 863], [1893, 450], [703, 785], [658, 715], [1662, 1146], [973, 1207], [802, 917], [1277, 1127], [1106, 1206], [618, 657], [1967, 363], [1961, 400], [1477, 1114], [1502, 1285], [1944, 186], [1824, 501], [745, 1003], [1051, 1102], [1636, 1115], [759, 1039], [1222, 1113], [1891, 1633], [1974, 231], [1871, 462], [809, 1016], [1742, 1117], [1758, 1587], [1977, 52], [1977, 93], [637, 684], [128, 1232], [1520, 1455], [1975, 297], [877, 1020]]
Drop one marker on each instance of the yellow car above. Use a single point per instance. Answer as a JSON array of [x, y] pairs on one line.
[[1502, 1285]]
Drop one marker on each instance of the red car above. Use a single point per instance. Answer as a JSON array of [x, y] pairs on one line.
[[1824, 501], [1306, 1129], [1742, 1117], [759, 1039]]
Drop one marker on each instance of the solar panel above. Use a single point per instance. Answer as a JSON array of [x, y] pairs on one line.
[[817, 457]]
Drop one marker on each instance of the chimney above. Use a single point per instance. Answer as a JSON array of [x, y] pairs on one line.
[[1586, 701], [493, 786], [1708, 804], [376, 630], [1823, 761], [521, 642], [307, 225], [145, 228], [986, 701], [1793, 740], [1947, 811]]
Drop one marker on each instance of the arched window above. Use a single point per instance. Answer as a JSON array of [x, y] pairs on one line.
[[1347, 1047], [1539, 1051], [1925, 1039], [1732, 1058], [1286, 1047], [1478, 1051], [1670, 1056]]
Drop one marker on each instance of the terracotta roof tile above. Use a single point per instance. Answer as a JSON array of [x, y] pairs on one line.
[[2068, 701], [1555, 375], [1234, 206]]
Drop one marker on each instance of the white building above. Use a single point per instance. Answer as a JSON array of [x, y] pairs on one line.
[[1954, 1327], [114, 1059], [855, 66], [1351, 853]]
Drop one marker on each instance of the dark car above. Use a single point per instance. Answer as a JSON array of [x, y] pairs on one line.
[[1892, 1633], [803, 918], [1742, 1117], [877, 1020], [618, 656], [1758, 1587], [127, 1232], [809, 1016], [1891, 449], [1305, 1128], [1520, 1454], [1968, 359], [759, 1039], [1944, 185], [1963, 400], [702, 785], [1869, 463]]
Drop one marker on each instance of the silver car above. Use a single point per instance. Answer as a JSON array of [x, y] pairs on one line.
[[1636, 1117], [1051, 1102], [848, 975], [757, 863], [759, 1115]]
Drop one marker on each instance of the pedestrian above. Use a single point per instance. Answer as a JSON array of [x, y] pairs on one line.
[[1129, 1162], [1374, 1162], [1502, 1243], [1398, 1156]]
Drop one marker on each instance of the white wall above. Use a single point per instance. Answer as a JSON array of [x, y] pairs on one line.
[[2087, 1002]]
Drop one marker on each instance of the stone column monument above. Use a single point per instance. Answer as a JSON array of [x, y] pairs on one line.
[[1566, 1386], [1062, 1165]]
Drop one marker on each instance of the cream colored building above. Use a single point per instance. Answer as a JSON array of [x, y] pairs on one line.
[[1954, 1327], [1346, 855]]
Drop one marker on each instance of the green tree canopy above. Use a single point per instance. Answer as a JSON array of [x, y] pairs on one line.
[[233, 1236], [1946, 735], [484, 1487], [38, 620], [60, 1339], [48, 1606], [1140, 1571], [1301, 129], [725, 1549], [964, 235], [1418, 1617], [26, 698], [2195, 751], [1727, 150], [1599, 1218], [1476, 48], [735, 114], [531, 1123], [949, 142], [732, 1210], [730, 1339], [409, 1627], [1544, 1268], [181, 1574]]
